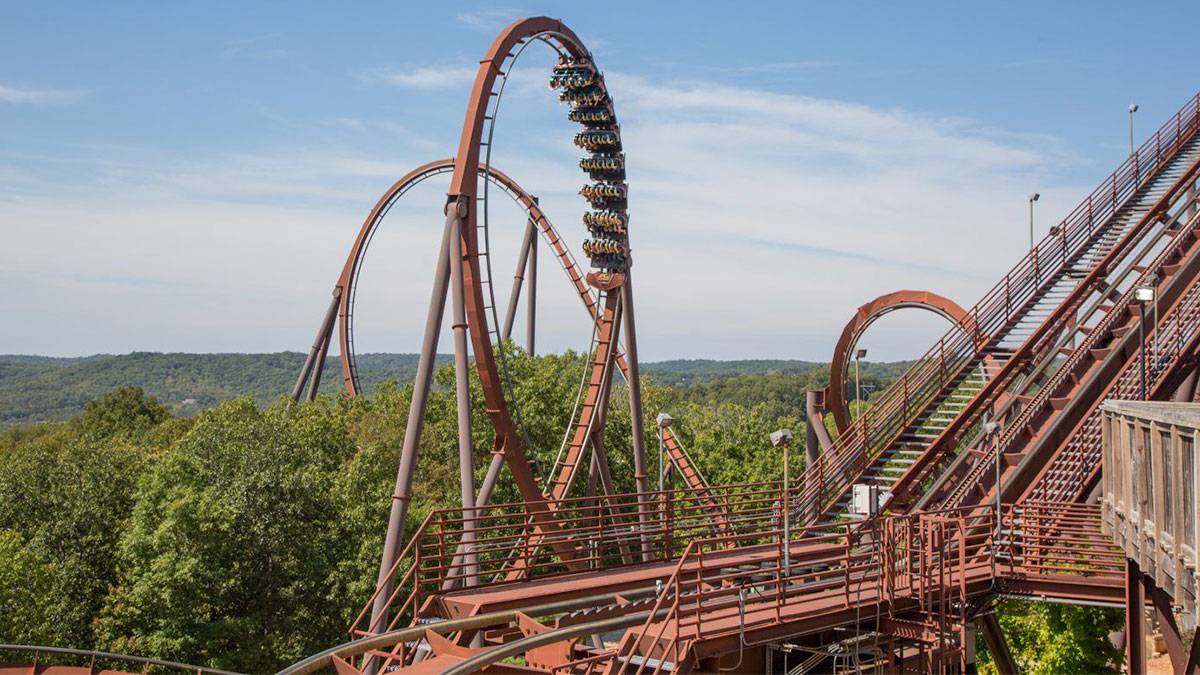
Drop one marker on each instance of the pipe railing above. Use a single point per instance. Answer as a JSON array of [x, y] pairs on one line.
[[1168, 344], [906, 399], [929, 561], [1119, 313]]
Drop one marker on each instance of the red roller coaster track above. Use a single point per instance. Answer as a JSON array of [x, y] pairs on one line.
[[987, 447]]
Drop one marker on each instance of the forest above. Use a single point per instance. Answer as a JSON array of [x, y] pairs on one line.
[[39, 388], [245, 535]]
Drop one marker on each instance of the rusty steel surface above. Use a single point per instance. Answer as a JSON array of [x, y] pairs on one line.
[[1009, 302], [1102, 364], [137, 663], [928, 566], [463, 192], [464, 277], [690, 578], [1063, 318], [347, 282], [864, 316]]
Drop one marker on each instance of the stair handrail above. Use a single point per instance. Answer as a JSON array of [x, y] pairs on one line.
[[1157, 367], [893, 411], [1047, 391], [410, 574]]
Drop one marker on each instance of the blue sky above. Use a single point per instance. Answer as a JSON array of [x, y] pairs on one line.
[[187, 177]]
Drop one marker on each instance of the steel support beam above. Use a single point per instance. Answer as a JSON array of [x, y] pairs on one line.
[[514, 295], [997, 646], [320, 345], [314, 382], [636, 422], [1165, 615], [402, 493], [462, 388], [817, 437], [531, 292], [1135, 619]]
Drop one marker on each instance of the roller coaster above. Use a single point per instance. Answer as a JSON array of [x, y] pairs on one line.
[[981, 463]]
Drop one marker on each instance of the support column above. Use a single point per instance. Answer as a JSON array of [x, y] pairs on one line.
[[324, 332], [635, 402], [489, 479], [485, 494], [1166, 623], [531, 301], [514, 296], [1193, 663], [600, 454], [817, 437], [1187, 388], [416, 419], [462, 385], [1135, 619], [318, 368], [997, 646]]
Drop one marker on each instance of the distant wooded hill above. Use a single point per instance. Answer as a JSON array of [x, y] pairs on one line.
[[36, 388]]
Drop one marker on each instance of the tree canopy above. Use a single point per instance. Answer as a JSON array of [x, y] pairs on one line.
[[248, 536]]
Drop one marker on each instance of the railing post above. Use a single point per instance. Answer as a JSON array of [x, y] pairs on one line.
[[846, 586], [443, 568], [1007, 296], [416, 577], [699, 587], [668, 508]]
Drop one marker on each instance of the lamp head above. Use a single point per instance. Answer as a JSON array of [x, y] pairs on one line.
[[1035, 196], [1144, 293], [781, 438], [664, 420], [860, 353], [1132, 108]]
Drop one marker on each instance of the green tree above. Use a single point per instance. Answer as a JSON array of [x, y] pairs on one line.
[[228, 554], [67, 491], [27, 582], [1048, 638]]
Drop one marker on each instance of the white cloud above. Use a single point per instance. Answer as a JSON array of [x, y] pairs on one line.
[[39, 96], [760, 221], [490, 19], [422, 77]]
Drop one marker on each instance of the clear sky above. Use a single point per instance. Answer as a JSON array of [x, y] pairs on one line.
[[189, 176]]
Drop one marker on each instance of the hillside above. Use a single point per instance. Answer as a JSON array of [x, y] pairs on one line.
[[34, 388], [44, 388]]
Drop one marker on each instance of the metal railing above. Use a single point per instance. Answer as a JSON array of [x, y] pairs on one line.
[[601, 531], [904, 401], [1168, 344], [1017, 429], [928, 563], [96, 659]]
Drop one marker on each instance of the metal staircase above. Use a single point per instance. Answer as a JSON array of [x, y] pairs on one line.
[[1060, 352], [918, 425]]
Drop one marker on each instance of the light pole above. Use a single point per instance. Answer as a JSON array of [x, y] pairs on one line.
[[1132, 109], [1032, 198], [859, 354], [1144, 294], [663, 420], [782, 439], [989, 436]]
